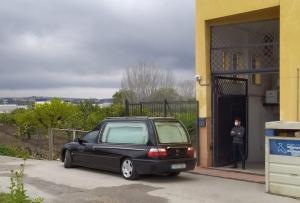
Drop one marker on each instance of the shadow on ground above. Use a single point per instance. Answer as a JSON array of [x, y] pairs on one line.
[[128, 193], [144, 178]]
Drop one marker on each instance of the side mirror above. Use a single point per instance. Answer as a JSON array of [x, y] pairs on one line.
[[80, 141]]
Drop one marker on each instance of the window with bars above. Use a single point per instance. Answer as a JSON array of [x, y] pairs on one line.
[[245, 48]]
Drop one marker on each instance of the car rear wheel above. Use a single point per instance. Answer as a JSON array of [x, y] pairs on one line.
[[68, 160], [128, 169]]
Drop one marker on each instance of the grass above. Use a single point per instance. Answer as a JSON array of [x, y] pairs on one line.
[[10, 150], [17, 192]]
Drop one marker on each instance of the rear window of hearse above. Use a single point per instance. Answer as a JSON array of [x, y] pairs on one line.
[[171, 132]]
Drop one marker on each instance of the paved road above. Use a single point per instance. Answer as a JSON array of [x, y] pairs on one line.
[[52, 181]]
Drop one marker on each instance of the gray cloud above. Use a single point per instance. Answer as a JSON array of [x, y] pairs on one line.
[[78, 43]]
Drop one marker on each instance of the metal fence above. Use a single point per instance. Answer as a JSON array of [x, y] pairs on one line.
[[185, 111], [39, 144], [35, 143]]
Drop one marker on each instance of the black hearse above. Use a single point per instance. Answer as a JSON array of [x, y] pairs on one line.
[[133, 146]]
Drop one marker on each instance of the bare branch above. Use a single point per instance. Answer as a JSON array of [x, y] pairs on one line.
[[140, 82], [186, 89]]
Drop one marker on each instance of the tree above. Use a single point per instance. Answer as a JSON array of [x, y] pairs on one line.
[[58, 114], [98, 114], [186, 89], [26, 122], [162, 94], [86, 108], [119, 97], [143, 80]]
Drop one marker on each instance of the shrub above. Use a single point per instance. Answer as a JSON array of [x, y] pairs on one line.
[[13, 151], [17, 192], [6, 118]]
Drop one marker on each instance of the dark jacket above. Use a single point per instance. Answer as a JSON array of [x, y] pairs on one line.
[[238, 134]]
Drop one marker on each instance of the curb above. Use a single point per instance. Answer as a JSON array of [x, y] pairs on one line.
[[231, 178]]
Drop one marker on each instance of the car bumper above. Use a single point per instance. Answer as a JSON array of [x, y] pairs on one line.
[[148, 166]]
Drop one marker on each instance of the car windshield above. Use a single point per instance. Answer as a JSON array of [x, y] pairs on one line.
[[171, 132]]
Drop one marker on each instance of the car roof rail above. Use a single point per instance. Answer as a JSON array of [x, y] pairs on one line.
[[128, 117], [141, 117], [168, 117]]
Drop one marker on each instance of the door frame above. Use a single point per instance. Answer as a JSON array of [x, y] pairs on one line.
[[214, 102]]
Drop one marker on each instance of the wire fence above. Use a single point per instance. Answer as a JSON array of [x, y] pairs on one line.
[[35, 144], [58, 137]]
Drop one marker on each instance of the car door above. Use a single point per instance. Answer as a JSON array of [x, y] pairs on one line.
[[120, 139], [83, 154]]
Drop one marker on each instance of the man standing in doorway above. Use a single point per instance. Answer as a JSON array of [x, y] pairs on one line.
[[238, 149]]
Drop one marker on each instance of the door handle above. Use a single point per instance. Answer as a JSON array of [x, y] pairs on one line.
[[81, 148], [96, 147]]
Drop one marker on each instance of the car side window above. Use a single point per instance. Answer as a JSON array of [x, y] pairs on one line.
[[125, 133], [91, 137]]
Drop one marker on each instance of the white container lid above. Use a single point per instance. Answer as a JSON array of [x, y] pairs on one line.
[[286, 125]]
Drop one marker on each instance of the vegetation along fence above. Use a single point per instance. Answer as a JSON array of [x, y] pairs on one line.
[[41, 132], [185, 111]]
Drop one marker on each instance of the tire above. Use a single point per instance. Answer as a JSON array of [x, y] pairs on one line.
[[173, 174], [128, 169], [68, 160]]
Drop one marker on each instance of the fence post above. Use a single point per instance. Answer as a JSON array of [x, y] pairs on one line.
[[165, 108], [74, 134], [126, 108], [37, 149], [141, 108], [50, 135]]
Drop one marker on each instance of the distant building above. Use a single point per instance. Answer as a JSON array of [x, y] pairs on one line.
[[42, 101], [104, 102], [8, 108], [104, 105]]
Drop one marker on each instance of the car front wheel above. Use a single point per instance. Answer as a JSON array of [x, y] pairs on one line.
[[128, 169], [68, 160]]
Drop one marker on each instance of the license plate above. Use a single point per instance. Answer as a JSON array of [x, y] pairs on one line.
[[178, 166]]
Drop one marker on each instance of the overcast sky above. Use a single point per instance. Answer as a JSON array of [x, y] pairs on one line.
[[79, 48]]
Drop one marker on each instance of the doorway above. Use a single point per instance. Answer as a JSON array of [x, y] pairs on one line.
[[230, 102], [244, 61]]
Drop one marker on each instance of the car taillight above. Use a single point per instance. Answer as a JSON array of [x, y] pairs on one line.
[[157, 152], [190, 151]]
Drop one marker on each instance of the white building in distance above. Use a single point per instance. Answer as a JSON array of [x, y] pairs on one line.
[[8, 108]]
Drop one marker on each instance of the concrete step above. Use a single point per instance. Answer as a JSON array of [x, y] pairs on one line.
[[230, 174]]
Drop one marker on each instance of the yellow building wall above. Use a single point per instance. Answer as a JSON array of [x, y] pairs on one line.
[[289, 59], [214, 12], [211, 12]]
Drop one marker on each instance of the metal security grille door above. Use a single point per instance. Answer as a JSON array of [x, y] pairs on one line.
[[230, 101]]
